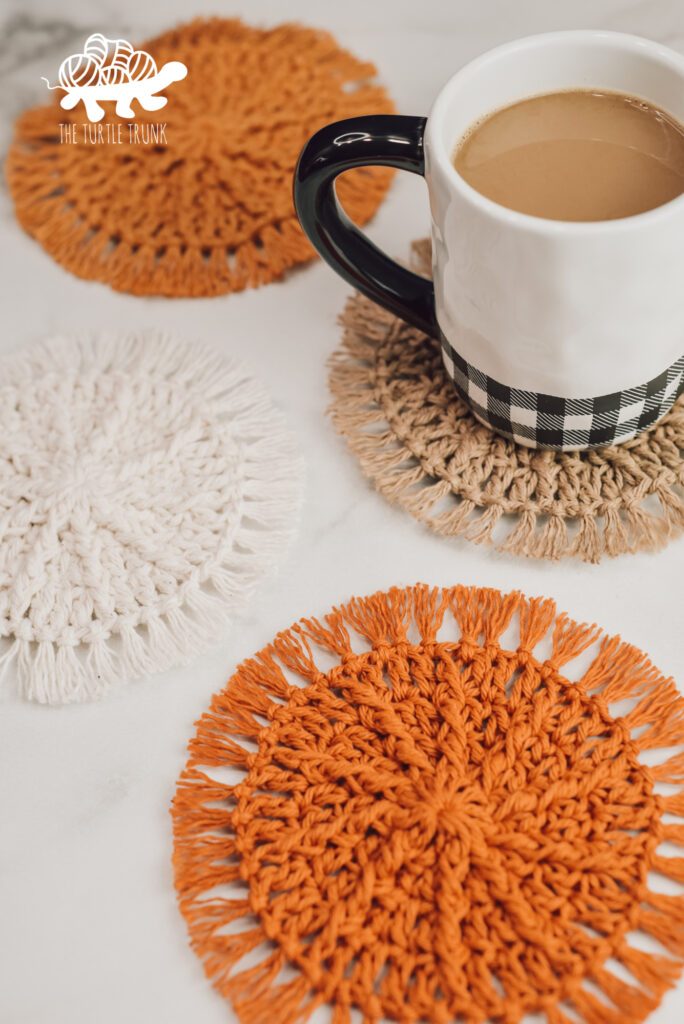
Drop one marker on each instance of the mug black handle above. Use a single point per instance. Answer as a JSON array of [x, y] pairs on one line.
[[377, 139]]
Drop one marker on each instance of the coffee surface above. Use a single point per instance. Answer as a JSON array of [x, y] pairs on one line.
[[578, 155]]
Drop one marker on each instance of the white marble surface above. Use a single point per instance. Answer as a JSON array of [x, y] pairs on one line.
[[89, 930]]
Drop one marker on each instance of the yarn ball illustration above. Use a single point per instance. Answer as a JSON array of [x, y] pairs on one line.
[[140, 65], [407, 812], [79, 70], [105, 62], [97, 47], [207, 209], [120, 52], [114, 74], [148, 483]]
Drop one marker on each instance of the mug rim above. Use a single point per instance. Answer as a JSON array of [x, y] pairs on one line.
[[544, 225]]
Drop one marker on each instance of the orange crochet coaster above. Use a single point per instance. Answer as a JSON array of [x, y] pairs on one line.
[[210, 211], [419, 810]]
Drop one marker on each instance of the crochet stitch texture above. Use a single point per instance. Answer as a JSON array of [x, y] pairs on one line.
[[146, 485], [422, 447], [422, 807], [210, 210]]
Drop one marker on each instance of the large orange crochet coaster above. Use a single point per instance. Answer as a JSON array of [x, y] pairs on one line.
[[432, 806], [210, 210]]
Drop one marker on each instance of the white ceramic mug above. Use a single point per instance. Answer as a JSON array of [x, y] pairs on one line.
[[559, 335]]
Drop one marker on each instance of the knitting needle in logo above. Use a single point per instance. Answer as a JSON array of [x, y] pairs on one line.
[[111, 69]]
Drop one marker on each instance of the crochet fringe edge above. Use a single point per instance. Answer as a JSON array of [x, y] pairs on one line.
[[142, 267], [52, 673], [397, 473], [206, 855]]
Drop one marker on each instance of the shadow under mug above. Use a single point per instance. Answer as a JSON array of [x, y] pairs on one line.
[[558, 335]]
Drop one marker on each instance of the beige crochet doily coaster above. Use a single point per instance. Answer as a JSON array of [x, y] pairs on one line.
[[422, 447]]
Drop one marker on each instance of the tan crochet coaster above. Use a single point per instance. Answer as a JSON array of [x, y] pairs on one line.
[[407, 812], [209, 210], [422, 447]]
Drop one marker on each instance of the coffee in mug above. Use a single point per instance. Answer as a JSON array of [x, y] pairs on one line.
[[556, 291], [575, 155]]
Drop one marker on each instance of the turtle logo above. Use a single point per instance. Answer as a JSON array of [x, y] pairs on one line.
[[111, 69]]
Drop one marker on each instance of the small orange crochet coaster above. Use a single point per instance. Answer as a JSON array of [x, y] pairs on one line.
[[418, 810], [209, 210]]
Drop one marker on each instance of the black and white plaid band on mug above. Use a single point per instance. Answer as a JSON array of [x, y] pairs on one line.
[[545, 421]]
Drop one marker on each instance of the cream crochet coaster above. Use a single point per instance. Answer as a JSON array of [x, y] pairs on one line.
[[146, 484], [422, 447]]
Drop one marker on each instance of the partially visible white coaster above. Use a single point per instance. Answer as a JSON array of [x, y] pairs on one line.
[[146, 484]]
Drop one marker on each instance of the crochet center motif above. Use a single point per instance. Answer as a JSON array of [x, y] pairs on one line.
[[76, 502], [433, 829], [147, 484]]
